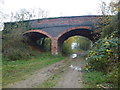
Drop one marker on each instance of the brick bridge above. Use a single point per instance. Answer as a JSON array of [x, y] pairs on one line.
[[61, 28]]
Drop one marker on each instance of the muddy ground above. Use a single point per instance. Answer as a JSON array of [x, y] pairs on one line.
[[71, 76]]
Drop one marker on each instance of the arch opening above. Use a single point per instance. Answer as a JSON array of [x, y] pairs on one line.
[[76, 33], [76, 45], [38, 41]]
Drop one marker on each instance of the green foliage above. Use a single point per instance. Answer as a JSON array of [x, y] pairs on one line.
[[43, 43], [115, 6], [111, 27], [47, 44], [66, 50], [91, 79], [13, 46], [104, 56], [113, 77], [104, 53], [82, 44], [66, 47], [20, 69]]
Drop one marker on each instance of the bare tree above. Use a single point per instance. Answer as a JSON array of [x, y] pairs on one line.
[[110, 8], [42, 13], [25, 14]]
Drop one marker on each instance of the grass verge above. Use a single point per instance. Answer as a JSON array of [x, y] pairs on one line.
[[14, 71], [94, 79]]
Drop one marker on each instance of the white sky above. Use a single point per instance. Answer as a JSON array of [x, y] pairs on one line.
[[55, 8], [73, 45]]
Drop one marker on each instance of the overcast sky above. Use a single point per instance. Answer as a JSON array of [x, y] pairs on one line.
[[55, 8]]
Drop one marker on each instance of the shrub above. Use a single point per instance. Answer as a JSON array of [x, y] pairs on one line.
[[13, 46], [104, 56], [104, 52]]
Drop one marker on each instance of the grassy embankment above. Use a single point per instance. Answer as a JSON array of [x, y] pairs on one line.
[[14, 71], [94, 79]]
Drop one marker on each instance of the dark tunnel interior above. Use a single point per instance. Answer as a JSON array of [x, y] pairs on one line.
[[35, 39], [77, 32]]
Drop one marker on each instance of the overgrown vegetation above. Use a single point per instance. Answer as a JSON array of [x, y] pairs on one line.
[[14, 46], [18, 70], [103, 56], [92, 79], [104, 53], [19, 59]]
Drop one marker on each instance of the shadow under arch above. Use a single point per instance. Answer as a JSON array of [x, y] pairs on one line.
[[35, 38], [84, 31], [39, 31]]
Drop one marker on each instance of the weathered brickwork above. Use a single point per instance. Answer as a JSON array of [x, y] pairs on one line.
[[74, 28], [54, 46], [64, 27], [40, 31]]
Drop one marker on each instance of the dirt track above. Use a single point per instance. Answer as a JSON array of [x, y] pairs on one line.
[[71, 78]]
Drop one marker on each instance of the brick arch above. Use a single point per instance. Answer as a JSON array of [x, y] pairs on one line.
[[55, 44], [39, 31], [74, 28], [80, 30]]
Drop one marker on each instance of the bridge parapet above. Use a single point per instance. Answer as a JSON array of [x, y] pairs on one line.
[[64, 21]]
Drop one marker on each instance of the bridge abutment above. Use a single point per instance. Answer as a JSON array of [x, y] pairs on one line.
[[54, 46]]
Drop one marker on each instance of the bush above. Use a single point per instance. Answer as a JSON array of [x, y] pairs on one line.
[[13, 46], [104, 53], [113, 77], [104, 56], [93, 78], [111, 27]]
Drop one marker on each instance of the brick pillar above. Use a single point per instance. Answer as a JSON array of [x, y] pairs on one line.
[[54, 46]]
